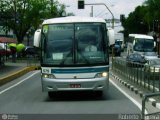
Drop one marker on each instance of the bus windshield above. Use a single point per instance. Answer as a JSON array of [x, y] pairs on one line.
[[144, 45], [74, 44]]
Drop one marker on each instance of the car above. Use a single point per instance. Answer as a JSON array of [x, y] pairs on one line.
[[120, 42], [4, 54], [150, 55], [152, 68], [117, 49], [30, 51], [135, 60]]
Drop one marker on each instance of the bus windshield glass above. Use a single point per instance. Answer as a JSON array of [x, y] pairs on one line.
[[74, 44], [144, 45]]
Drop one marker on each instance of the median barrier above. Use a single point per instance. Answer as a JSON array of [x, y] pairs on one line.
[[17, 74]]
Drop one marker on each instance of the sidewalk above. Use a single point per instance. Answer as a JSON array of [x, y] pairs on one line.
[[11, 71]]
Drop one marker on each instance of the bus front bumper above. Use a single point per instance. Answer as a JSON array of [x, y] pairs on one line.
[[93, 84]]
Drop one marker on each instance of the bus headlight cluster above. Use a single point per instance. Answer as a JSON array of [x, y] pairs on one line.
[[51, 76], [103, 74], [154, 69]]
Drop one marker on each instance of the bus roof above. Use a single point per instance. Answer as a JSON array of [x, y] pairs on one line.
[[140, 36], [73, 19]]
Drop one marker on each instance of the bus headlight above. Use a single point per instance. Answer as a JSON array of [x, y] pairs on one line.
[[103, 74], [51, 76], [154, 69]]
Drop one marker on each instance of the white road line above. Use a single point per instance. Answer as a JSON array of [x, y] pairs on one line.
[[18, 83], [133, 100]]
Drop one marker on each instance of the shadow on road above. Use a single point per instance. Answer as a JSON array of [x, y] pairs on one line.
[[76, 96]]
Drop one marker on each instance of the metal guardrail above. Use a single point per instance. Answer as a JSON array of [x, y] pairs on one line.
[[145, 97], [144, 76]]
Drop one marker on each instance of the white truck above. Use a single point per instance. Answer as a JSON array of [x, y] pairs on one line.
[[141, 44]]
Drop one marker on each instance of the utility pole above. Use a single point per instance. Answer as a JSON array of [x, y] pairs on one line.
[[107, 9], [91, 11]]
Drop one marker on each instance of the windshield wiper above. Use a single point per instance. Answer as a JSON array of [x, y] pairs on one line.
[[86, 60], [62, 62]]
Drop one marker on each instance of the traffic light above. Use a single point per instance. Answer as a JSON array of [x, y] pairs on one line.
[[122, 17], [81, 4]]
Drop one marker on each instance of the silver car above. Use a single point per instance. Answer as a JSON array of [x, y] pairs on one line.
[[152, 68]]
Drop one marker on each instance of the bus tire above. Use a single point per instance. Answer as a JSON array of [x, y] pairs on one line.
[[50, 94], [99, 93]]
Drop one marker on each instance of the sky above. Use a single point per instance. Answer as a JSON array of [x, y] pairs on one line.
[[117, 7]]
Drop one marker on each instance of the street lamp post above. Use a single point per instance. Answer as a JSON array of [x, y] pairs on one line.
[[91, 11], [107, 9]]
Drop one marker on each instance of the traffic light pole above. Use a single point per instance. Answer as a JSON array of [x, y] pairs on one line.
[[107, 9]]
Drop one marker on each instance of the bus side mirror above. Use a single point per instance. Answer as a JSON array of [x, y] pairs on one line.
[[37, 38], [110, 34], [154, 44]]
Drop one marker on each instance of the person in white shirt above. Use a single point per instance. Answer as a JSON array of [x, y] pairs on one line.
[[91, 48], [91, 45], [88, 38]]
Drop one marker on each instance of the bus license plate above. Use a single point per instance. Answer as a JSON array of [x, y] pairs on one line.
[[75, 85]]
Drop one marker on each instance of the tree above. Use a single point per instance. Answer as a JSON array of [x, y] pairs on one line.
[[144, 19], [135, 22], [153, 14], [24, 15]]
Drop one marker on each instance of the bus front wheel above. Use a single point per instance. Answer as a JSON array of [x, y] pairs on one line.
[[99, 93], [51, 94]]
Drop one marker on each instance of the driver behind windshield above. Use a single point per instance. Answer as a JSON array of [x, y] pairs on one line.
[[88, 37]]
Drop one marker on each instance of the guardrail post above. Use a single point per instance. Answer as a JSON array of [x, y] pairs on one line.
[[143, 106], [145, 76], [154, 78], [159, 80], [141, 74], [136, 75], [149, 76], [144, 98]]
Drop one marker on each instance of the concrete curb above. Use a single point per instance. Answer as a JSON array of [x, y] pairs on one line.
[[136, 91], [17, 74]]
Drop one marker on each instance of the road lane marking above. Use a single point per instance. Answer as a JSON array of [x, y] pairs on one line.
[[133, 100], [129, 97], [18, 83]]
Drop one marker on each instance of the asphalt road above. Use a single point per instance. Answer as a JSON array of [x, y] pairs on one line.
[[24, 96]]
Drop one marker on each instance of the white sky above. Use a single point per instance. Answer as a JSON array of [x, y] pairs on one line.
[[116, 6]]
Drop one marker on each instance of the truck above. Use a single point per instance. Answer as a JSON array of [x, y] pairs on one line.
[[140, 43]]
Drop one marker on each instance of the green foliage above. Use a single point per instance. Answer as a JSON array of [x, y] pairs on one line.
[[24, 16], [135, 23], [141, 20]]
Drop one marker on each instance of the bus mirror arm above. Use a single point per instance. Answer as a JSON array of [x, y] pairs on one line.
[[44, 42]]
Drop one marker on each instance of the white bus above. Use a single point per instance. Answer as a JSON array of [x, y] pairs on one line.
[[140, 43], [74, 54]]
